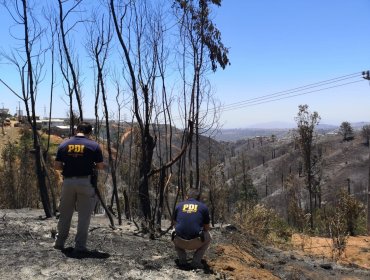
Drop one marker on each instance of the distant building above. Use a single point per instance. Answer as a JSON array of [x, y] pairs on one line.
[[60, 130], [4, 111], [44, 124], [53, 122]]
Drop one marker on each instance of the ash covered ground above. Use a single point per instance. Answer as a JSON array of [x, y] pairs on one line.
[[26, 252]]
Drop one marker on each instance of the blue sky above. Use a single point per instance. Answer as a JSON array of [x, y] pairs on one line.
[[275, 46], [280, 45]]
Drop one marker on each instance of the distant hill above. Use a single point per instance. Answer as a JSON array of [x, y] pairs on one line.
[[359, 125], [270, 163], [273, 125], [279, 129], [232, 135], [235, 134]]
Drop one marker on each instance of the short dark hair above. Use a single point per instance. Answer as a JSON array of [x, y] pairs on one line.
[[84, 127], [193, 193]]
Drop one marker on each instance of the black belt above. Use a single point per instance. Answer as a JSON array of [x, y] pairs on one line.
[[201, 235], [77, 177]]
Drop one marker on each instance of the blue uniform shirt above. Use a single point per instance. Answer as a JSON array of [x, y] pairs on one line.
[[190, 216], [79, 156]]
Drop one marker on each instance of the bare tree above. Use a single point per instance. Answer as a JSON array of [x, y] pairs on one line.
[[140, 32], [28, 60], [52, 39], [101, 36], [142, 72], [203, 39], [72, 65], [219, 194]]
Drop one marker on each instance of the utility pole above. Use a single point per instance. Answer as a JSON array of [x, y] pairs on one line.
[[19, 112], [366, 76]]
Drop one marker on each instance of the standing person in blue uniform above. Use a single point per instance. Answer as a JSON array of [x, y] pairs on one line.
[[77, 157], [191, 220]]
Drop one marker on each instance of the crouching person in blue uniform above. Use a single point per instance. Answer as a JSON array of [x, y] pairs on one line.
[[191, 220], [77, 157]]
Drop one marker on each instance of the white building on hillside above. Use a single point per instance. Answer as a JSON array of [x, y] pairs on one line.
[[44, 124]]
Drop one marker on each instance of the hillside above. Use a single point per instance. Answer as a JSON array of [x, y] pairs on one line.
[[344, 165], [127, 253], [273, 128], [270, 161]]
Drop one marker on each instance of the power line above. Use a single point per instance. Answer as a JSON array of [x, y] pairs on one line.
[[290, 93], [273, 96], [236, 106]]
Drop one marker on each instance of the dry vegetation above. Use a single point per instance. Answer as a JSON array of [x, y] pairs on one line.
[[279, 180]]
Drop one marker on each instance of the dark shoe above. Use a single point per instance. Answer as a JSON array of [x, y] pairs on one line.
[[197, 265], [59, 247], [79, 254], [82, 254], [183, 265], [80, 250]]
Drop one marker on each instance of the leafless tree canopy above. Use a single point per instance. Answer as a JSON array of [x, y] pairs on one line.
[[142, 66]]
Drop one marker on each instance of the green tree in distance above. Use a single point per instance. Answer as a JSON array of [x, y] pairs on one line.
[[365, 132], [346, 130], [306, 122]]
